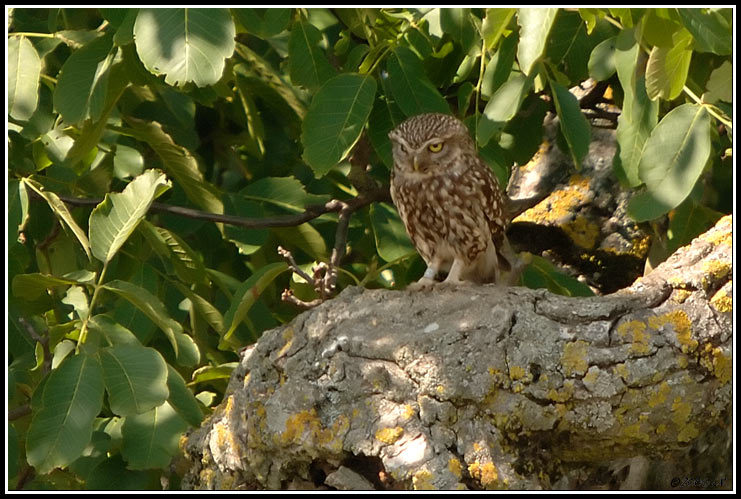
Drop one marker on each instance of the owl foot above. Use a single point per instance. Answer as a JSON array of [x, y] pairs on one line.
[[424, 284]]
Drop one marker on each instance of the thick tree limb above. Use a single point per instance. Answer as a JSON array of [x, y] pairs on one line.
[[478, 387]]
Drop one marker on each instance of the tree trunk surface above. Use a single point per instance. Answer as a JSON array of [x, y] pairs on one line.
[[484, 387]]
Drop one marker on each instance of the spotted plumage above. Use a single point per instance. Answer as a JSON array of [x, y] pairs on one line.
[[449, 200]]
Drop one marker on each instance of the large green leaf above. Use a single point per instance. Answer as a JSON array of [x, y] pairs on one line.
[[335, 120], [574, 125], [24, 67], [535, 25], [412, 91], [457, 23], [639, 115], [246, 295], [83, 81], [186, 45], [711, 31], [174, 251], [179, 163], [151, 306], [307, 64], [64, 412], [181, 398], [150, 440], [502, 106], [673, 159], [135, 378], [113, 220]]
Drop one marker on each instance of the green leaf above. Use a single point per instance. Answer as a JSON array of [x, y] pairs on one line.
[[335, 120], [410, 87], [688, 221], [184, 260], [503, 106], [602, 60], [150, 440], [186, 45], [667, 68], [247, 294], [458, 24], [202, 307], [113, 220], [720, 84], [541, 273], [111, 331], [127, 162], [64, 412], [535, 24], [150, 305], [135, 378], [499, 67], [494, 25], [179, 164], [263, 23], [711, 31], [181, 398], [574, 125], [83, 81], [639, 115], [304, 237], [247, 240], [61, 211], [307, 64], [24, 68], [672, 161], [392, 240], [93, 128]]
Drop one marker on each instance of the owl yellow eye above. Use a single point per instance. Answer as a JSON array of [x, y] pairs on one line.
[[436, 147]]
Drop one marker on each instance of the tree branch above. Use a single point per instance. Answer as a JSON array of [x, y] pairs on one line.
[[480, 386]]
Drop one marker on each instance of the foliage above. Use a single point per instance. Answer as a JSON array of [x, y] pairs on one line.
[[125, 318]]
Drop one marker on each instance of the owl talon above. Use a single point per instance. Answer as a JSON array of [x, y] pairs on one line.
[[424, 284]]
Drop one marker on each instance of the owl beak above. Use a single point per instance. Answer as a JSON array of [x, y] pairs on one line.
[[415, 164]]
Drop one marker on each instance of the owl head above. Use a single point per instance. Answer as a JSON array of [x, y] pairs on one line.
[[429, 143]]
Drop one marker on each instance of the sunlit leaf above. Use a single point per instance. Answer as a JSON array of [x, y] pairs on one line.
[[113, 220], [24, 67], [672, 161], [61, 211], [535, 25], [186, 45]]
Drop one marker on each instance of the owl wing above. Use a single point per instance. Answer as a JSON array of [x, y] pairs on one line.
[[493, 207]]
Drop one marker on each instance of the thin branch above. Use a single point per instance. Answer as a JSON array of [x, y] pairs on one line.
[[311, 212]]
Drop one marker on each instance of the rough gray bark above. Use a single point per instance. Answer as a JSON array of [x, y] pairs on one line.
[[478, 387]]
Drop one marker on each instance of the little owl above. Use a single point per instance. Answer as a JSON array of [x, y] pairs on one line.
[[449, 200]]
